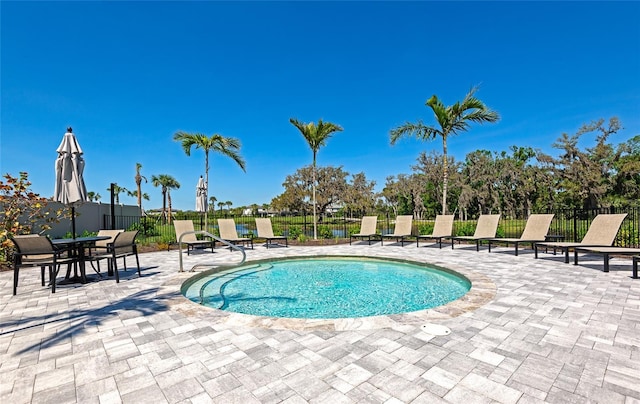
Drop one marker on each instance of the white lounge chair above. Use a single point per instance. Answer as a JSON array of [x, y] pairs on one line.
[[535, 231], [442, 228], [485, 229], [402, 229], [602, 233], [265, 231], [228, 232], [368, 230]]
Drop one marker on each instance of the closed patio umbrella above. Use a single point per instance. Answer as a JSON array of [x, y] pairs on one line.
[[201, 196], [70, 189]]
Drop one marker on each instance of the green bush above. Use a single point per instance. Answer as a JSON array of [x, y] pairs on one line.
[[324, 232], [295, 232]]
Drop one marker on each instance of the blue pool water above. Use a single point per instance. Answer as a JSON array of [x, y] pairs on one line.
[[327, 288]]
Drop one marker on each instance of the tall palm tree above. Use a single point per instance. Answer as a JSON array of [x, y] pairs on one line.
[[166, 182], [451, 120], [138, 178], [316, 136], [227, 146]]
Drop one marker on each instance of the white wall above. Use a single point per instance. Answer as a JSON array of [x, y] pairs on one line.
[[89, 217]]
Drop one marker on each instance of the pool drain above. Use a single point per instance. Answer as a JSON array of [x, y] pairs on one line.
[[436, 329]]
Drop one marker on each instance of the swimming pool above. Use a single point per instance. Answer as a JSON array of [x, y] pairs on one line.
[[327, 288]]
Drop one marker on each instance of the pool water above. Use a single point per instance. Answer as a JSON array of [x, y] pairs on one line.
[[327, 288]]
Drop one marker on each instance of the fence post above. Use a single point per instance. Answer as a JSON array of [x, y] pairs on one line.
[[575, 225]]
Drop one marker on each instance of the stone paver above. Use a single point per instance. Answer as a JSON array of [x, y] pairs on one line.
[[530, 331]]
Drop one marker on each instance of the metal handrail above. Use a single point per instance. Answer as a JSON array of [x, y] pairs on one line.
[[230, 245]]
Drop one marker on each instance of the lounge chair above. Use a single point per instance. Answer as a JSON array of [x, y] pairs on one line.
[[265, 231], [33, 250], [535, 231], [635, 260], [602, 233], [368, 230], [190, 239], [485, 229], [229, 233], [442, 228], [401, 230], [606, 252]]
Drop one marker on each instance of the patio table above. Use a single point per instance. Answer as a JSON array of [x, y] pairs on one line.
[[79, 244]]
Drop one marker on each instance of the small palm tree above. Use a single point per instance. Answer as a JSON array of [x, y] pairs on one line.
[[93, 196], [212, 203], [117, 190], [166, 182], [138, 178], [451, 120], [316, 136], [227, 146]]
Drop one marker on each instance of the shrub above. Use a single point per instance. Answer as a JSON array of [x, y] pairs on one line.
[[21, 212]]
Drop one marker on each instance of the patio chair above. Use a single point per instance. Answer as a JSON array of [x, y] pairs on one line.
[[33, 250], [601, 233], [190, 239], [442, 228], [485, 229], [401, 231], [229, 233], [100, 247], [534, 231], [606, 252], [265, 231], [368, 230], [123, 245]]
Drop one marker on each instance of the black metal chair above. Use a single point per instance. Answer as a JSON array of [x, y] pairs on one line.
[[33, 250]]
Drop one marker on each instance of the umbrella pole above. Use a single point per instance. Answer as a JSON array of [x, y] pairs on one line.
[[73, 221]]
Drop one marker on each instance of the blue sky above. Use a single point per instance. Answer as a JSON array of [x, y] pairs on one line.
[[128, 75]]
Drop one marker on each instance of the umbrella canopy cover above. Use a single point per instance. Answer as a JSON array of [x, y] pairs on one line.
[[69, 188], [201, 196]]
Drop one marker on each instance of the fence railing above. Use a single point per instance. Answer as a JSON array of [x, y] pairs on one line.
[[569, 224]]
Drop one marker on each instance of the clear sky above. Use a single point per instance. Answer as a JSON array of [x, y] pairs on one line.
[[127, 75]]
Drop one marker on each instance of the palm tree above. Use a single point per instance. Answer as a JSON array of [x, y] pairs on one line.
[[227, 146], [316, 136], [93, 196], [212, 203], [228, 203], [117, 190], [167, 182], [138, 178], [220, 205], [451, 120]]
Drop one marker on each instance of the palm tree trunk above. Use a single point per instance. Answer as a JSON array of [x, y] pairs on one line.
[[445, 174], [164, 206], [315, 220], [206, 192], [169, 198]]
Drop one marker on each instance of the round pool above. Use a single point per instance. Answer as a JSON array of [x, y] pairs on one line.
[[327, 288]]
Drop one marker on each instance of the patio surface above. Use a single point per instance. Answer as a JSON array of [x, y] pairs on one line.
[[533, 331]]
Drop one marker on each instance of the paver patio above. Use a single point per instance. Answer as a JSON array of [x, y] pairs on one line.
[[549, 332]]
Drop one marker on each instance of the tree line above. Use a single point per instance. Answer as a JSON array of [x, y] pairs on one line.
[[519, 180]]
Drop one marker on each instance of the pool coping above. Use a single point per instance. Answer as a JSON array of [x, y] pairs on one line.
[[482, 291]]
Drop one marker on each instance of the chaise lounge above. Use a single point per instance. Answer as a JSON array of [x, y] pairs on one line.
[[368, 230], [601, 233], [442, 228], [534, 231], [485, 229], [401, 231]]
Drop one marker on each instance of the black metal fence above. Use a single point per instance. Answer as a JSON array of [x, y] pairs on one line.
[[568, 224]]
